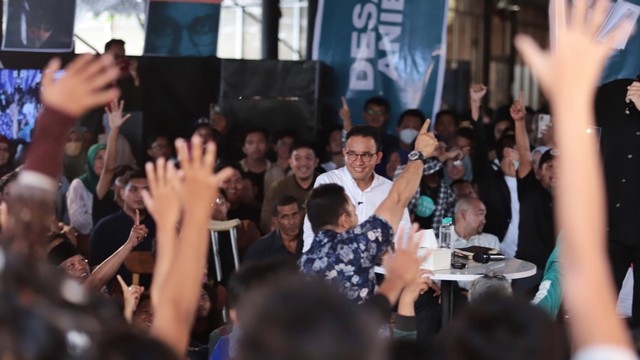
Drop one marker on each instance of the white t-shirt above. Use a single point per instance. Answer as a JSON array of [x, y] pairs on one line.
[[509, 244], [366, 202]]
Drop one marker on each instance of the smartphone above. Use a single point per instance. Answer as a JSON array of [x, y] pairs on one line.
[[544, 122]]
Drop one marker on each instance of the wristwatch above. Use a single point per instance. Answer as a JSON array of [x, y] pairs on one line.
[[417, 155]]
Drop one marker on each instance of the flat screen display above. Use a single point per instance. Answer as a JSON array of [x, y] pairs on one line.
[[19, 102]]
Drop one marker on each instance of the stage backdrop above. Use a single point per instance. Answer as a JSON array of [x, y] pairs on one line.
[[390, 48]]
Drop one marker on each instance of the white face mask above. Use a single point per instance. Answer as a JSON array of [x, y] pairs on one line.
[[73, 148], [408, 135]]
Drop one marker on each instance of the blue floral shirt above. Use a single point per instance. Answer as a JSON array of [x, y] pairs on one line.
[[348, 259]]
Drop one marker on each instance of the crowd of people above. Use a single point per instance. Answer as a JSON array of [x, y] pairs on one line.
[[315, 220]]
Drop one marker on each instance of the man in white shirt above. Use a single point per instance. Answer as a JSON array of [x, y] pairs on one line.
[[365, 188], [468, 224]]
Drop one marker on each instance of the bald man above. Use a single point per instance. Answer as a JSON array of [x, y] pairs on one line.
[[468, 225]]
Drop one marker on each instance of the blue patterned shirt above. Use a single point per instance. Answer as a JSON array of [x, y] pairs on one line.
[[348, 259]]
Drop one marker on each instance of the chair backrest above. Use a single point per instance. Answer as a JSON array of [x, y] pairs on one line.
[[139, 262]]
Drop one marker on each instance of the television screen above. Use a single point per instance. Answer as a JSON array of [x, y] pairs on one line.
[[19, 102]]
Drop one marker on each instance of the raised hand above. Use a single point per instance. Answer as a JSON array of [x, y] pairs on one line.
[[404, 265], [633, 93], [131, 296], [517, 109], [345, 115], [137, 234], [426, 141], [578, 60], [477, 92], [162, 200], [200, 183], [84, 85], [114, 111]]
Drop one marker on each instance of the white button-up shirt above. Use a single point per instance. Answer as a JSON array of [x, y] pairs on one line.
[[366, 202]]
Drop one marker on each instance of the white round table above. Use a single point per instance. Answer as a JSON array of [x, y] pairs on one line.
[[510, 268]]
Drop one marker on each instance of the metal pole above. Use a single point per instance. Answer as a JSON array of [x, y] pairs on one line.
[[312, 10], [270, 22]]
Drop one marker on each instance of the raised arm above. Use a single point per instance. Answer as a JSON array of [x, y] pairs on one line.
[[176, 297], [116, 119], [480, 158], [518, 113], [345, 115], [569, 79], [104, 272], [404, 187], [83, 87]]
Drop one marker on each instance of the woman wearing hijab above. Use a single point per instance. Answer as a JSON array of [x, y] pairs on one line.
[[75, 155], [84, 207]]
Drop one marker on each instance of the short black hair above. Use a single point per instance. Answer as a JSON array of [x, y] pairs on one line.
[[154, 137], [412, 112], [304, 145], [506, 141], [378, 101], [459, 182], [253, 274], [253, 130], [113, 42], [285, 200], [547, 156], [283, 134], [366, 131], [136, 174], [325, 205], [466, 133], [501, 327], [451, 113], [333, 327]]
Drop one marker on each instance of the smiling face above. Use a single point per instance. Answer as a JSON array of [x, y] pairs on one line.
[[303, 162], [77, 267], [547, 175], [232, 186], [474, 218], [361, 157]]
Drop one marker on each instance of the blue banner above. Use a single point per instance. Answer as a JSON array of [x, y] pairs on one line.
[[182, 28], [390, 48]]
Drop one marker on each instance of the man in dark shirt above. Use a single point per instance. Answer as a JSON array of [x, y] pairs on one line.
[[536, 233], [133, 220], [285, 240], [621, 162]]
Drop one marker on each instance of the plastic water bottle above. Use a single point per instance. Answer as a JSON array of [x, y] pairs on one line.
[[444, 237]]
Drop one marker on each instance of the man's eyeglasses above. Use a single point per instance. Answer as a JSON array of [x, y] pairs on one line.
[[375, 112], [366, 157]]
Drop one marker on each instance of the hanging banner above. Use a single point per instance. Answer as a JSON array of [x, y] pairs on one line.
[[390, 48], [182, 28], [38, 25]]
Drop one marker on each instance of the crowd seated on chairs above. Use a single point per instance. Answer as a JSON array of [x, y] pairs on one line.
[[273, 256]]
